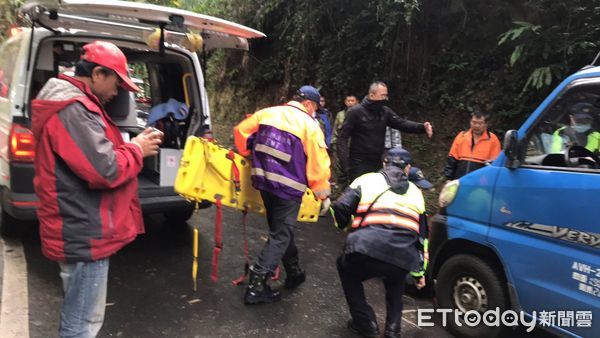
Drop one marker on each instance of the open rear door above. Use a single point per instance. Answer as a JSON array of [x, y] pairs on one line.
[[129, 18]]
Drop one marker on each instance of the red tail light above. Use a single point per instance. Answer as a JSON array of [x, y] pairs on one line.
[[22, 145]]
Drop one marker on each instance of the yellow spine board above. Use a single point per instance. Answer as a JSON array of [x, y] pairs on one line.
[[205, 173]]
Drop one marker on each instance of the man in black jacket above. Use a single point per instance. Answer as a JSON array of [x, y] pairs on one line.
[[365, 127]]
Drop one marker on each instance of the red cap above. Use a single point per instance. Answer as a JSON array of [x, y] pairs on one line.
[[110, 56]]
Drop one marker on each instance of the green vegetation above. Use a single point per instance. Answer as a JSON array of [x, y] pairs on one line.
[[8, 15], [440, 58], [447, 56]]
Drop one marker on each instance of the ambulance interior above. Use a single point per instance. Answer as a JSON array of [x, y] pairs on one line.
[[160, 78]]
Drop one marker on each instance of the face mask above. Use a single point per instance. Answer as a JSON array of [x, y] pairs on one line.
[[582, 128], [376, 104]]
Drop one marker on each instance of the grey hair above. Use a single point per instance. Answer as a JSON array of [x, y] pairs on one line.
[[374, 85]]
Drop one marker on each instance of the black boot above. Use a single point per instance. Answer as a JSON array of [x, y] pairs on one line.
[[365, 330], [392, 330], [258, 291], [295, 275]]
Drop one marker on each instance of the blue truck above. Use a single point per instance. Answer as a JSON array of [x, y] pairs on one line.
[[523, 234]]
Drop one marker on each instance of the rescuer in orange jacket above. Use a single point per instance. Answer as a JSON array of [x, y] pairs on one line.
[[288, 155], [471, 149]]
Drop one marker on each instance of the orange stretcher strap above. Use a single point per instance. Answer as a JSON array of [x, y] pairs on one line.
[[235, 171]]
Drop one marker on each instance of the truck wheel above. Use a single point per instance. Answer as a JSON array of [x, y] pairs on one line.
[[467, 283]]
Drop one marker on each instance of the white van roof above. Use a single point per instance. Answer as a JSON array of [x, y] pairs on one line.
[[128, 16]]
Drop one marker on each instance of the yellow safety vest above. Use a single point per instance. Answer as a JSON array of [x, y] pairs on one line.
[[401, 211], [593, 141]]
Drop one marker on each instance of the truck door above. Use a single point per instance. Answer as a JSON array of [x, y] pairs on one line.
[[546, 213]]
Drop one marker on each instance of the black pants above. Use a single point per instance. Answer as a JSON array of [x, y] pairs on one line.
[[354, 269], [281, 216], [360, 166]]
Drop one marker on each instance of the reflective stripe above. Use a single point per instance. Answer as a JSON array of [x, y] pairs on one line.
[[362, 208], [279, 179], [397, 221], [273, 152], [557, 141], [373, 184]]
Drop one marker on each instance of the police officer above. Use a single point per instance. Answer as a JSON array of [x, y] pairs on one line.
[[581, 131], [384, 241]]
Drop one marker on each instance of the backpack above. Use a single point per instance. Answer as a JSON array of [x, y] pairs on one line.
[[174, 134]]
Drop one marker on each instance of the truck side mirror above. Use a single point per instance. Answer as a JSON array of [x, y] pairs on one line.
[[511, 149]]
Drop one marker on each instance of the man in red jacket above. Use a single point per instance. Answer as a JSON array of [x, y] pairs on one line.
[[86, 181]]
